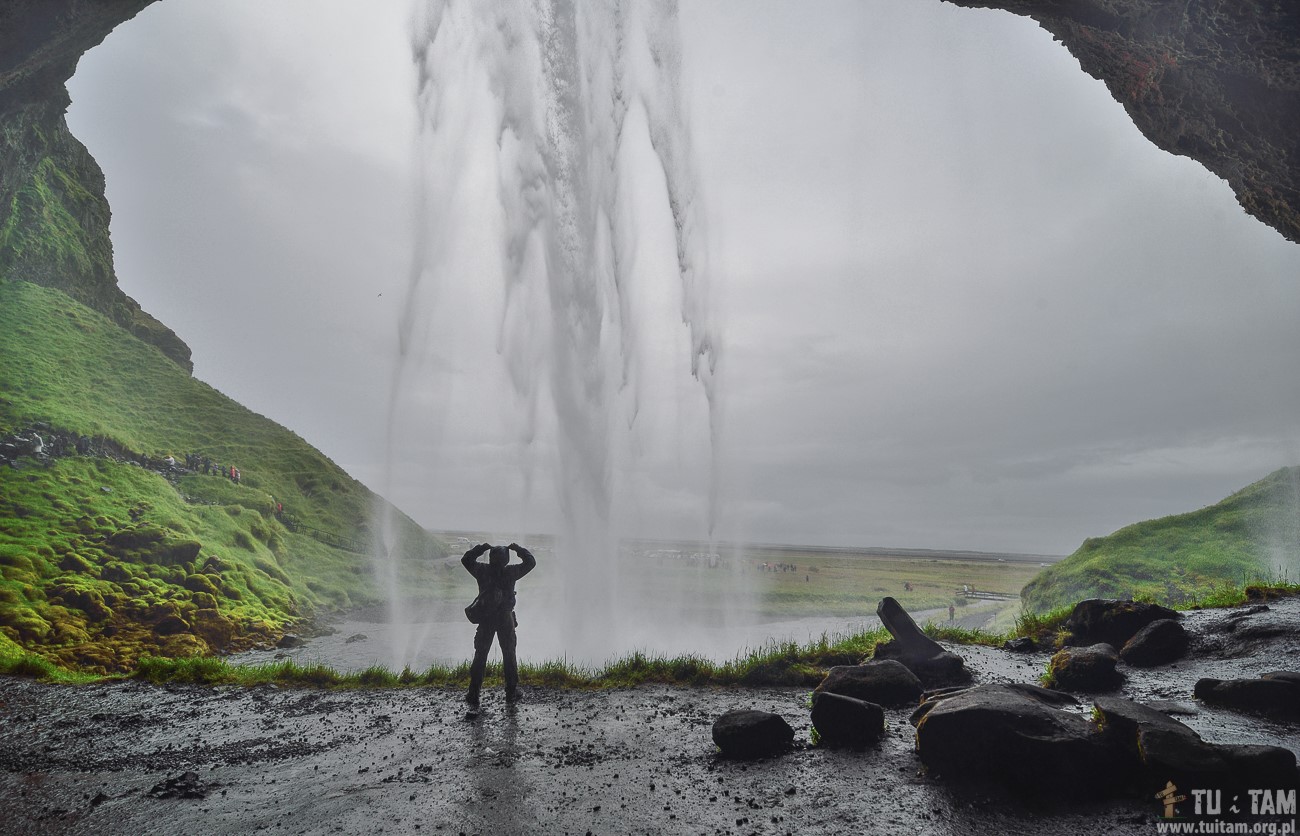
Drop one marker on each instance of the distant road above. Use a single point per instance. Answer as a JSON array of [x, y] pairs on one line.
[[754, 549]]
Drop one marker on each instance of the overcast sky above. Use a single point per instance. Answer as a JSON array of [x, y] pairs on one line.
[[963, 303]]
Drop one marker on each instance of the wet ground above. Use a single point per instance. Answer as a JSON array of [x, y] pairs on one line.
[[113, 759]]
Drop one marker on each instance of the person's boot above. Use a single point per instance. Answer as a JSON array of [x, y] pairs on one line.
[[471, 699], [514, 695]]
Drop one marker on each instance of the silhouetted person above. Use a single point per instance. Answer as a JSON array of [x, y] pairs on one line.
[[496, 586]]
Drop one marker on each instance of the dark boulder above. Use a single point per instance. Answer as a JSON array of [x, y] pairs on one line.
[[1157, 748], [1034, 692], [1113, 622], [845, 721], [919, 653], [1015, 735], [747, 733], [1089, 668], [886, 682], [1277, 694], [1285, 676], [289, 640], [1158, 643], [1020, 644]]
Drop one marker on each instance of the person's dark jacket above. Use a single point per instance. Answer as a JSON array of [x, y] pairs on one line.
[[501, 578]]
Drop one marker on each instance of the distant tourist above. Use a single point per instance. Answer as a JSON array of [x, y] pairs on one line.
[[952, 612], [494, 612]]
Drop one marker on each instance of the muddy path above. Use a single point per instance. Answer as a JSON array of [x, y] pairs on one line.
[[113, 758]]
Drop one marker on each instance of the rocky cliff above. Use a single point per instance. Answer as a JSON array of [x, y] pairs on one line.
[[1214, 80], [54, 220]]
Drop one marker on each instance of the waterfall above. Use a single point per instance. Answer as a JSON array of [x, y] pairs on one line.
[[555, 182]]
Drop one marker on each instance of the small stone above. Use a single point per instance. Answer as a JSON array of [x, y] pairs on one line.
[[1089, 668], [747, 733]]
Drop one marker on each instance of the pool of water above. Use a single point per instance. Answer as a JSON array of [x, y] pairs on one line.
[[446, 638]]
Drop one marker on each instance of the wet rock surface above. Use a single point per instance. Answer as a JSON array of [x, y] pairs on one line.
[[845, 721], [922, 655], [1112, 622], [1158, 643], [883, 681], [1162, 749], [748, 733], [1090, 668], [1019, 736], [84, 759], [1276, 694]]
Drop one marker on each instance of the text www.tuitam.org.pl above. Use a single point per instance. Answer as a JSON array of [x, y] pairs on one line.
[[1269, 828], [1272, 803]]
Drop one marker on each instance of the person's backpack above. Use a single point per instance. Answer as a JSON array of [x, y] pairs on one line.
[[488, 603]]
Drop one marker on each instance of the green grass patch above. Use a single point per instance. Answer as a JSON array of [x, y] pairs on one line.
[[1251, 537], [95, 553]]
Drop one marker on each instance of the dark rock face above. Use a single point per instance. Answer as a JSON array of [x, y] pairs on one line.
[[921, 654], [886, 682], [54, 220], [1160, 749], [1217, 81], [1089, 668], [1113, 622], [746, 733], [1276, 694], [845, 721], [1158, 643], [1016, 735]]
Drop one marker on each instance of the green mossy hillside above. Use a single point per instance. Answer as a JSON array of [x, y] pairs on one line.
[[1253, 535], [109, 556]]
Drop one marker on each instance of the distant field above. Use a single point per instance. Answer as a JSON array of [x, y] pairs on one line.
[[810, 581]]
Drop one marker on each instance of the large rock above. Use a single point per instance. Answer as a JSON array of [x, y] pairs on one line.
[[1158, 749], [845, 721], [1112, 622], [919, 653], [1285, 676], [747, 733], [1276, 694], [1089, 668], [1158, 643], [885, 682], [1016, 735]]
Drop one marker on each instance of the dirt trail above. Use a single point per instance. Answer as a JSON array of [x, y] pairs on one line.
[[85, 760]]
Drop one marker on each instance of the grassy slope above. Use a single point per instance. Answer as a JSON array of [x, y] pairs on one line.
[[1183, 557], [97, 557]]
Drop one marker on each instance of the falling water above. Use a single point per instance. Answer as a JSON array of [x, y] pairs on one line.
[[552, 145]]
